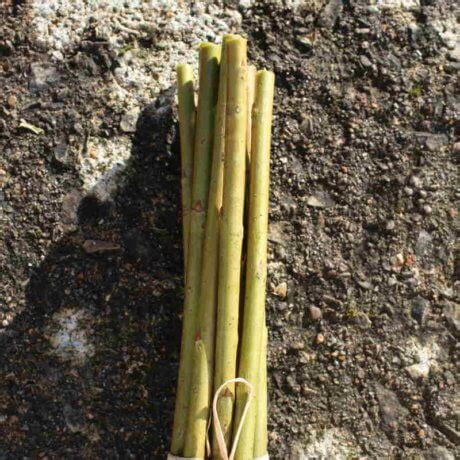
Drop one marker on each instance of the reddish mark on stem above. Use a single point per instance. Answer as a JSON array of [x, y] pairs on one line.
[[198, 206], [226, 393]]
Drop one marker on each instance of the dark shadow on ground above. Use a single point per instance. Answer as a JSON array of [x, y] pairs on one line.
[[119, 402]]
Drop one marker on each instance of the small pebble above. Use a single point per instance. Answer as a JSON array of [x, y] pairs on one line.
[[410, 260], [399, 259], [365, 61], [427, 209], [408, 191], [293, 385], [390, 225], [315, 313], [297, 345], [392, 281], [304, 42], [364, 284], [12, 101], [319, 338], [416, 181]]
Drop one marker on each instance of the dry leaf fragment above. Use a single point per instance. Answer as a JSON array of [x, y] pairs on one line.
[[95, 246], [281, 290]]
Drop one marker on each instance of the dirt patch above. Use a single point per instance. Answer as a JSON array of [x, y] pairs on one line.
[[362, 310]]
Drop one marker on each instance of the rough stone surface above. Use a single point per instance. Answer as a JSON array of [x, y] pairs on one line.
[[362, 222]]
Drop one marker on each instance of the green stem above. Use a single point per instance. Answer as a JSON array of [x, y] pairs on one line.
[[195, 439], [260, 431], [251, 94], [187, 136], [207, 98], [231, 234], [256, 271], [209, 273]]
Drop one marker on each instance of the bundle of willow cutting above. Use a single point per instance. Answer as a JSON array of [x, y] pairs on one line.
[[225, 155]]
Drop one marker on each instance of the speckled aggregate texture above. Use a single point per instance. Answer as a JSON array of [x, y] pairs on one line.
[[362, 309]]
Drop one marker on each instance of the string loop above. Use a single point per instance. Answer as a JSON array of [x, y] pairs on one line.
[[216, 422]]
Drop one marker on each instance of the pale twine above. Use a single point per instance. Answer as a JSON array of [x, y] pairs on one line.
[[218, 428]]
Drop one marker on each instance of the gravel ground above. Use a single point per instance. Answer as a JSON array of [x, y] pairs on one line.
[[362, 309]]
